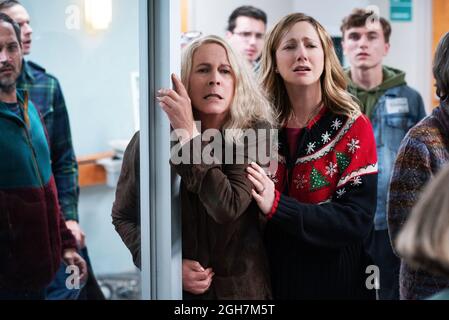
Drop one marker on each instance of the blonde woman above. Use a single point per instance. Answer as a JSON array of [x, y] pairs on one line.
[[321, 201], [223, 251], [423, 243]]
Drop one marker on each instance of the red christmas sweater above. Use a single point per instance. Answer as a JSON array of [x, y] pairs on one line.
[[324, 209], [334, 153]]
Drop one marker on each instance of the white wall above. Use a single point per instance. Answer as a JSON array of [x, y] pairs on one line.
[[94, 68], [410, 42], [329, 12], [211, 17]]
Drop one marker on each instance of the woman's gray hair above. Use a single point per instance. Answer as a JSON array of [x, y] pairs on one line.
[[249, 104]]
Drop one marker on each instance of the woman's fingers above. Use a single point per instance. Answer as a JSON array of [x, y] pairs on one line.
[[200, 276], [209, 271], [176, 102], [257, 184], [192, 264], [255, 174], [263, 201], [204, 284], [258, 169], [169, 102], [263, 175], [164, 106], [168, 93], [257, 197], [261, 183], [178, 86]]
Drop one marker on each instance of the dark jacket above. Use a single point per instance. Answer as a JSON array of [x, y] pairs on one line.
[[33, 234], [221, 224], [326, 201], [126, 207]]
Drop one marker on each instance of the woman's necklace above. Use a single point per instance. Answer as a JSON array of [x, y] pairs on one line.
[[298, 124]]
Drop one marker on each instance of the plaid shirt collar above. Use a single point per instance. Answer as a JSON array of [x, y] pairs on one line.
[[26, 76]]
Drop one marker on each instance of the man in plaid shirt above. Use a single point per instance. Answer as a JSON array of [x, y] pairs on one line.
[[45, 92]]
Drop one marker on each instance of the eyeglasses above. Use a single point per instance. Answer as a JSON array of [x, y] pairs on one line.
[[248, 35]]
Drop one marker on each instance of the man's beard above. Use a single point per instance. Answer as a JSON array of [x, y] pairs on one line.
[[7, 86]]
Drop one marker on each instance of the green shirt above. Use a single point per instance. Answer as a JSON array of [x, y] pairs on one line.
[[368, 98]]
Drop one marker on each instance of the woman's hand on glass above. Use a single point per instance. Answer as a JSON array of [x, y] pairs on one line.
[[178, 107], [263, 191]]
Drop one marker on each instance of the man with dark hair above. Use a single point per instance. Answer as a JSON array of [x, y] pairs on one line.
[[393, 108], [33, 235], [246, 31], [45, 92]]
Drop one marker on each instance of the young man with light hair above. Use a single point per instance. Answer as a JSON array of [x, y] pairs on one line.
[[393, 108]]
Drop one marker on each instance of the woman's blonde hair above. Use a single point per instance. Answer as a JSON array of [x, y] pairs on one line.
[[333, 80], [249, 104], [424, 239]]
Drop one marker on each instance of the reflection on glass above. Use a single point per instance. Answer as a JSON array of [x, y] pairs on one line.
[[98, 13], [84, 86]]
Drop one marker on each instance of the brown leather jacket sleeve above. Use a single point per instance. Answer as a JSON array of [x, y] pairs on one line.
[[126, 207], [224, 189]]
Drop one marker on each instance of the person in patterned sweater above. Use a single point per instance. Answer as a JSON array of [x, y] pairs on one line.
[[321, 201], [423, 153]]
